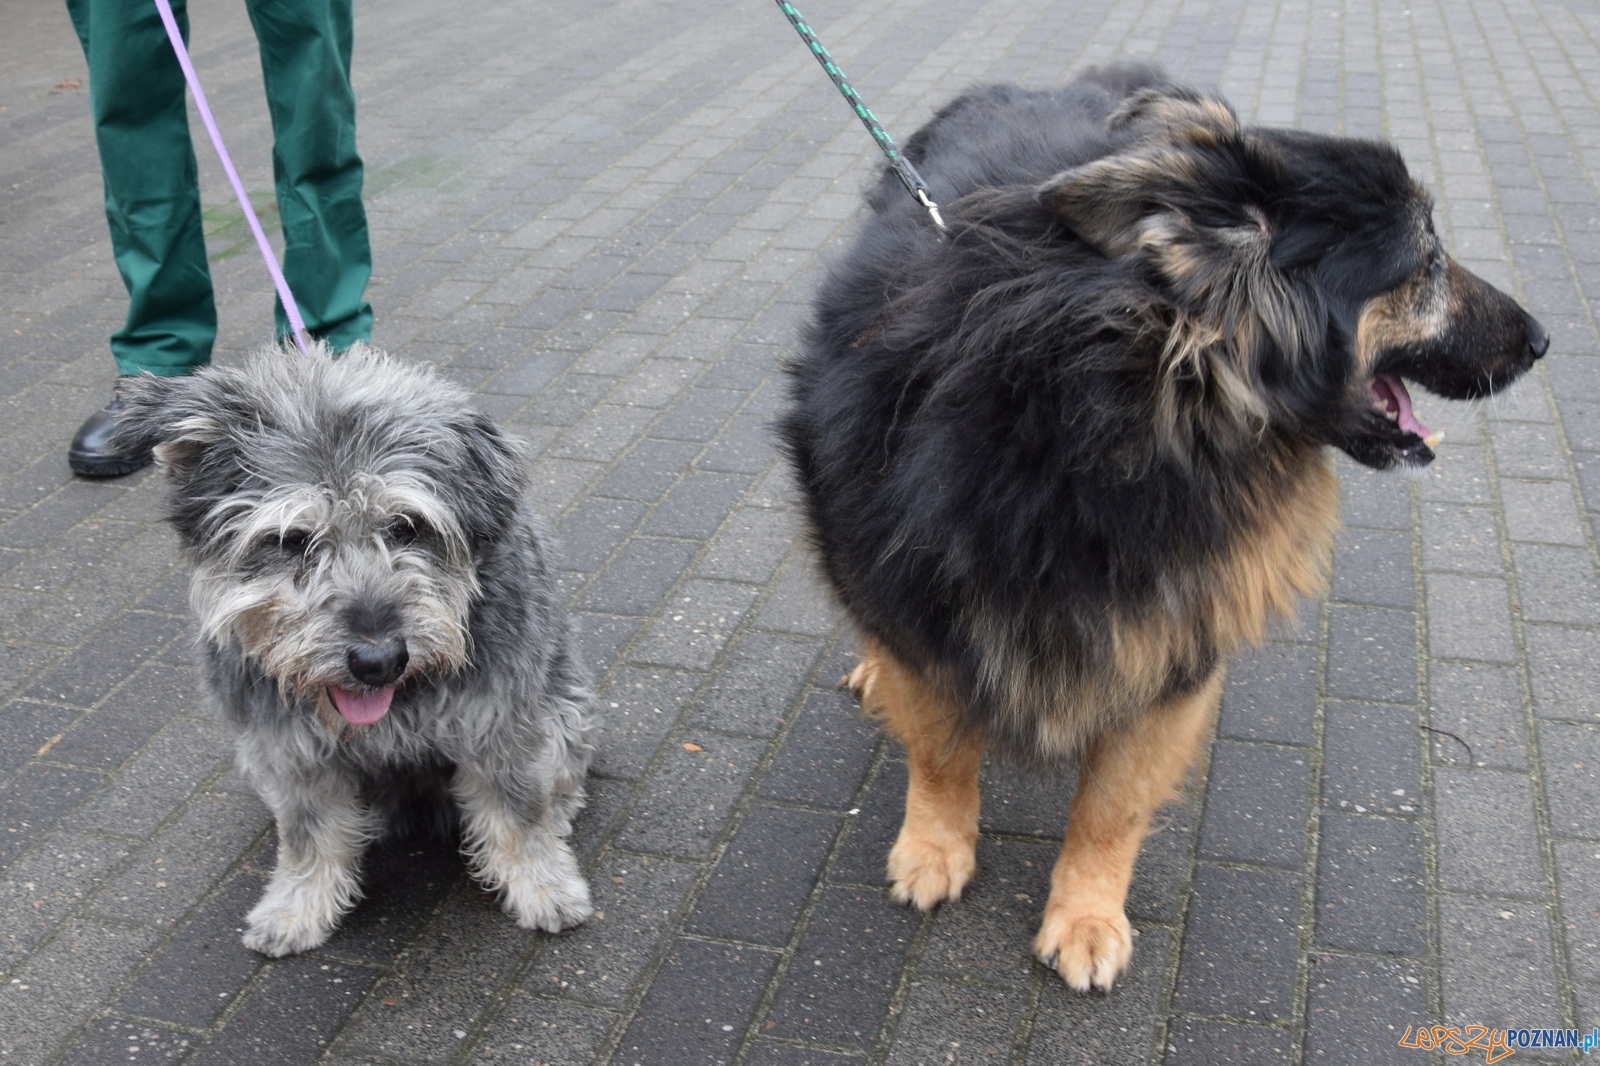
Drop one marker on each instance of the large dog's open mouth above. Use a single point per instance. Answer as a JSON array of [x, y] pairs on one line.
[[361, 708], [1391, 399]]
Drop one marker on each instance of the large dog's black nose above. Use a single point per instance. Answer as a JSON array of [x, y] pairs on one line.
[[377, 662], [1538, 339]]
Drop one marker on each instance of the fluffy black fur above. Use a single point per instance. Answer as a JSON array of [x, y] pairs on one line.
[[1144, 323]]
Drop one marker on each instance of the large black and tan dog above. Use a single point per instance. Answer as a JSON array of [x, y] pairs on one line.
[[1064, 460]]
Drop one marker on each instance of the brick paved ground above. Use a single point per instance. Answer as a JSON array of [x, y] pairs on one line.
[[605, 218]]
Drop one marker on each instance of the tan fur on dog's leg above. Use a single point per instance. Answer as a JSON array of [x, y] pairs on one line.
[[936, 853], [1125, 776]]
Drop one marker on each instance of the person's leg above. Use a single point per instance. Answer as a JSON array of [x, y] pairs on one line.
[[305, 61], [136, 96]]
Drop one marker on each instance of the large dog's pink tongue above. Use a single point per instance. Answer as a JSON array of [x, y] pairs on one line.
[[1390, 392], [361, 708]]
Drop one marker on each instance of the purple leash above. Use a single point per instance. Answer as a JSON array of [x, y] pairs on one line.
[[290, 309]]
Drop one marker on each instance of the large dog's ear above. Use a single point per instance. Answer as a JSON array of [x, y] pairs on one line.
[[172, 416], [1174, 113], [1188, 161], [499, 474]]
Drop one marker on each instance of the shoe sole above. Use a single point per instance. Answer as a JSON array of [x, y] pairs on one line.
[[103, 467]]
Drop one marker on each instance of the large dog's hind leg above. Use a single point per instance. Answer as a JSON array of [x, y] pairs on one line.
[[936, 853], [322, 830], [1124, 777], [513, 845]]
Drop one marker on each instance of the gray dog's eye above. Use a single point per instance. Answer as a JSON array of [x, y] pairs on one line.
[[295, 541], [404, 530]]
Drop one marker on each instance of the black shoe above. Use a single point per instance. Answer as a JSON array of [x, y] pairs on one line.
[[91, 454]]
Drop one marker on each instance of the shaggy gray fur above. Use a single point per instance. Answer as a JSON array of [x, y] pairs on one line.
[[378, 620]]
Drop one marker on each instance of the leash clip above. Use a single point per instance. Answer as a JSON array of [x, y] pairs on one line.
[[933, 209]]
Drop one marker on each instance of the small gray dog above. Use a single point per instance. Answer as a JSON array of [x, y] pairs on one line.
[[379, 620]]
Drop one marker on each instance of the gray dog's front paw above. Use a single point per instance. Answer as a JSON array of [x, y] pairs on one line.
[[291, 918], [547, 891]]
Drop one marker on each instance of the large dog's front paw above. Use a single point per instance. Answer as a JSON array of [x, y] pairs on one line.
[[926, 869], [291, 918], [1088, 948]]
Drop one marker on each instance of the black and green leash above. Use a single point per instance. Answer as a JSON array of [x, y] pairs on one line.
[[902, 166]]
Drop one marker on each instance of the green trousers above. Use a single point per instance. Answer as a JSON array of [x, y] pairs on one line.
[[137, 97]]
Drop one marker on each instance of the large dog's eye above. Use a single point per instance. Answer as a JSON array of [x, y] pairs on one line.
[[294, 541]]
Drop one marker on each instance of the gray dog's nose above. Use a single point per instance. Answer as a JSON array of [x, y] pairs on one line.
[[377, 662]]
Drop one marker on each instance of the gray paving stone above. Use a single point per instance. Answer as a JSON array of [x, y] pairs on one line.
[[1564, 666], [1239, 915], [1572, 777], [845, 969], [42, 888], [26, 727], [1469, 618], [180, 864], [1460, 475], [106, 660], [758, 685], [1372, 653], [545, 1030], [750, 546], [110, 1040], [1081, 1030], [1357, 1009], [1556, 584], [202, 970], [690, 794], [569, 249], [1498, 969], [988, 935], [443, 982], [700, 1004], [1577, 867], [1024, 801], [34, 800], [60, 986], [1460, 539], [826, 755], [402, 884], [769, 1054], [1271, 695], [1371, 757], [1487, 839], [956, 1023], [798, 603], [695, 623], [639, 576], [291, 1016], [1371, 499], [1541, 511], [1374, 567], [1370, 886], [1483, 706], [176, 762], [1202, 1042], [637, 710], [593, 531], [1257, 806], [765, 876], [698, 504]]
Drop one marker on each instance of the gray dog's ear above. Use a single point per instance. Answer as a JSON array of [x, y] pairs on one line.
[[169, 416], [499, 463]]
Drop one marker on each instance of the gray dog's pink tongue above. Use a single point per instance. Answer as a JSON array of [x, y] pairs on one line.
[[361, 708]]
